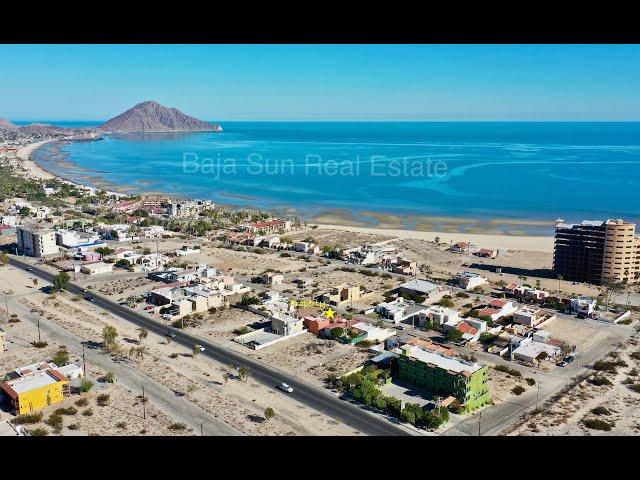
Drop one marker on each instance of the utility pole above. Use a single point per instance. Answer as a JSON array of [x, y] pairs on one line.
[[479, 422], [84, 363], [144, 407], [537, 396], [201, 430], [38, 329]]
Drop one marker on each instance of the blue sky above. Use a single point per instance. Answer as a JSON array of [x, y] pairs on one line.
[[324, 82]]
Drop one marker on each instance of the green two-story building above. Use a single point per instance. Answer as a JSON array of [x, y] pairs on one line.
[[444, 375]]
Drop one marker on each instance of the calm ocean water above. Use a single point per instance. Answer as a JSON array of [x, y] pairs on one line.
[[525, 171]]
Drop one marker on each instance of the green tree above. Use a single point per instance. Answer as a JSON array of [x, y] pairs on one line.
[[61, 281], [61, 357], [109, 335], [454, 335], [269, 413]]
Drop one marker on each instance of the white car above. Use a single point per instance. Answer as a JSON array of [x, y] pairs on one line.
[[286, 387]]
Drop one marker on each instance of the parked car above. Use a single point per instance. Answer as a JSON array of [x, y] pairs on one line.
[[563, 363], [89, 298], [285, 387], [170, 334], [28, 269], [149, 307], [166, 316]]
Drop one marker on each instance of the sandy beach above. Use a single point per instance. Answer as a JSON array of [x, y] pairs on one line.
[[511, 242], [32, 168]]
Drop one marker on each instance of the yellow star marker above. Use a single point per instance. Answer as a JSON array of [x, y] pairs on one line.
[[329, 313]]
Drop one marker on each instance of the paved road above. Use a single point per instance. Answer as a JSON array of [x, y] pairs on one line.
[[164, 398], [310, 395]]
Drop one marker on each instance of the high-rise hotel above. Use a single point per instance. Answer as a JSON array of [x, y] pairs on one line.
[[593, 251]]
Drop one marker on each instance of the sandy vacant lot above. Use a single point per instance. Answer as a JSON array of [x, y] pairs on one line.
[[241, 404], [123, 414], [615, 404]]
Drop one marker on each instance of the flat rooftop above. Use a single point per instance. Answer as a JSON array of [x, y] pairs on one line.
[[419, 286], [26, 384], [443, 361]]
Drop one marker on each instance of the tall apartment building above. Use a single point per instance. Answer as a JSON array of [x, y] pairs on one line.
[[445, 375], [36, 242], [593, 251]]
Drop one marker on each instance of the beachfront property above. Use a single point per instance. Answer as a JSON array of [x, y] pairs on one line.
[[401, 310], [36, 242], [33, 387], [444, 375], [118, 232], [469, 280], [498, 308], [532, 316], [597, 251], [188, 208], [460, 247], [487, 253], [275, 225]]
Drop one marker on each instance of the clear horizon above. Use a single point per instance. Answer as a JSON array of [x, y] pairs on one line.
[[431, 83]]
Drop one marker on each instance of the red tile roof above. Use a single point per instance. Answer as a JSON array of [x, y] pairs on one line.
[[497, 303], [465, 327]]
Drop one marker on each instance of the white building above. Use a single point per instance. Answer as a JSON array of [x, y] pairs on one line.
[[374, 334], [583, 306], [470, 280], [97, 268], [439, 315], [400, 310], [531, 316], [36, 242], [283, 324], [498, 308]]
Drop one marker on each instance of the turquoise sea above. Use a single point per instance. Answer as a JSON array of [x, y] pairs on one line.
[[516, 172]]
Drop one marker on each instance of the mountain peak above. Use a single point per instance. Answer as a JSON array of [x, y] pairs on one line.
[[150, 116]]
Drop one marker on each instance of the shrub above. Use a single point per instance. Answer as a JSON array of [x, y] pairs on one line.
[[66, 411], [635, 387], [600, 381], [103, 399], [40, 344], [518, 390], [173, 355], [54, 421], [73, 426], [597, 424], [86, 385], [600, 411], [530, 381], [121, 425], [28, 418], [39, 432], [88, 412], [177, 427], [82, 402]]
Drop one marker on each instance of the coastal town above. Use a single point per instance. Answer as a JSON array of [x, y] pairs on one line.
[[157, 315]]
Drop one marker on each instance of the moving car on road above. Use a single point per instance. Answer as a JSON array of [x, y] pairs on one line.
[[285, 387]]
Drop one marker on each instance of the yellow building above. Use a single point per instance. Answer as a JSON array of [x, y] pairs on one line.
[[32, 392]]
